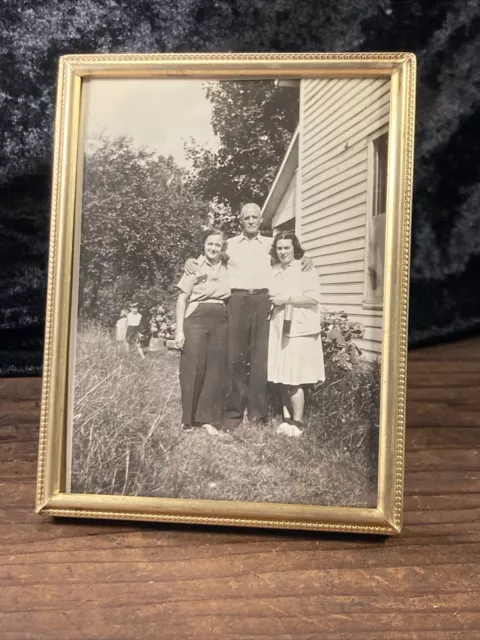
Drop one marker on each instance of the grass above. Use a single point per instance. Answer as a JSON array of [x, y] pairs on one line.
[[127, 438]]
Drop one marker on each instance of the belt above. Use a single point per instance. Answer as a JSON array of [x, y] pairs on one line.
[[251, 292]]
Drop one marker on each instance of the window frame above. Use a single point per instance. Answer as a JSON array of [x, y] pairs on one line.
[[370, 301]]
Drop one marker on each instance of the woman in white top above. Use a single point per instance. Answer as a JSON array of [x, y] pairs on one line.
[[295, 354]]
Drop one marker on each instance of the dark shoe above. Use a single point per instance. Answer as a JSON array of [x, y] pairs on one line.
[[258, 421]]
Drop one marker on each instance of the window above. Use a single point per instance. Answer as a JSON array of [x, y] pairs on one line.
[[376, 212]]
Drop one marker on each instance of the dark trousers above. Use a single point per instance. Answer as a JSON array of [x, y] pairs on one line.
[[132, 334], [203, 364], [247, 358]]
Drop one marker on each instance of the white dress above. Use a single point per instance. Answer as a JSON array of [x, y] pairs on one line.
[[297, 357]]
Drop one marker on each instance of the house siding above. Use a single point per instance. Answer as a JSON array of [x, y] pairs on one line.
[[286, 207], [338, 117]]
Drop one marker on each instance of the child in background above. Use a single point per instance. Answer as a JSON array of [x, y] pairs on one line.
[[134, 317], [121, 330]]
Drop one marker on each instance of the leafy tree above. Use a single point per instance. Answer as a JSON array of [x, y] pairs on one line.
[[254, 121], [140, 221]]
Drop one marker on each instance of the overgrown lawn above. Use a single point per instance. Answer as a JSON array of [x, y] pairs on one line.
[[127, 437]]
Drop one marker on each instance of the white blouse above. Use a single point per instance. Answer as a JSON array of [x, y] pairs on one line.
[[291, 281]]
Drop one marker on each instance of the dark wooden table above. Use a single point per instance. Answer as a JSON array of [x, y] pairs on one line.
[[96, 580]]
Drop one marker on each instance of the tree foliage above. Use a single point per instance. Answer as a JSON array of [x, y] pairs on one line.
[[254, 122], [140, 221]]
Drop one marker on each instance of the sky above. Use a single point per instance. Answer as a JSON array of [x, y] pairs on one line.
[[154, 112]]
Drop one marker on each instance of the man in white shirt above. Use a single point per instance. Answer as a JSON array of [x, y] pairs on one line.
[[249, 272]]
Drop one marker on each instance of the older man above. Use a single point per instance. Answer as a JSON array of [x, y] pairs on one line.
[[249, 272], [249, 269]]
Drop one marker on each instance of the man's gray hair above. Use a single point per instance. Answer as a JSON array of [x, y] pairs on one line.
[[250, 207]]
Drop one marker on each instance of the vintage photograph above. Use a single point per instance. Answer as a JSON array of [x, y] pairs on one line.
[[227, 312]]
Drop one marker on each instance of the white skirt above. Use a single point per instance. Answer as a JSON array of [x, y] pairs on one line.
[[294, 361]]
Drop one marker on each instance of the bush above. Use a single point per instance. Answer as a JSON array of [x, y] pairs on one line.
[[347, 404], [340, 352]]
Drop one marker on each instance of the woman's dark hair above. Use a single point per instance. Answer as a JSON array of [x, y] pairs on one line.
[[216, 231], [298, 252]]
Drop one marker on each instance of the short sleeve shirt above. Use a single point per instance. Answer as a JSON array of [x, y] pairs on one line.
[[209, 283], [134, 319]]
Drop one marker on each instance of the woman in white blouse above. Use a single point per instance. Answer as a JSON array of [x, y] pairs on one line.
[[295, 354]]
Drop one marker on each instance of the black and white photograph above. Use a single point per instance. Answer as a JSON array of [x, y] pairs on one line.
[[228, 305]]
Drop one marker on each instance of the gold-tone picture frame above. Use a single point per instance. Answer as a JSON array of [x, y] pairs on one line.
[[353, 152]]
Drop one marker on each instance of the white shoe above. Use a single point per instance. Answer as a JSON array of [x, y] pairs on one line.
[[187, 428], [290, 430], [210, 429]]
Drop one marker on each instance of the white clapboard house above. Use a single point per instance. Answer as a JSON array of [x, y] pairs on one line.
[[331, 189]]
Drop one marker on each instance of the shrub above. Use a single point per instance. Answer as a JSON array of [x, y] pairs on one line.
[[347, 404], [340, 352]]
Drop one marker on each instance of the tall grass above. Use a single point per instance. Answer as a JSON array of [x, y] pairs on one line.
[[127, 438]]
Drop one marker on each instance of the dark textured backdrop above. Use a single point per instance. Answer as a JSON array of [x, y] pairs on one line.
[[445, 297]]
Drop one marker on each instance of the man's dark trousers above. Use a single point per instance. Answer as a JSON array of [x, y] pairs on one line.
[[248, 328]]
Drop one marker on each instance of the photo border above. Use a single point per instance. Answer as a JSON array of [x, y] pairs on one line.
[[51, 498]]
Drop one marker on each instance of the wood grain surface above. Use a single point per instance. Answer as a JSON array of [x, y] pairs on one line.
[[71, 580]]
